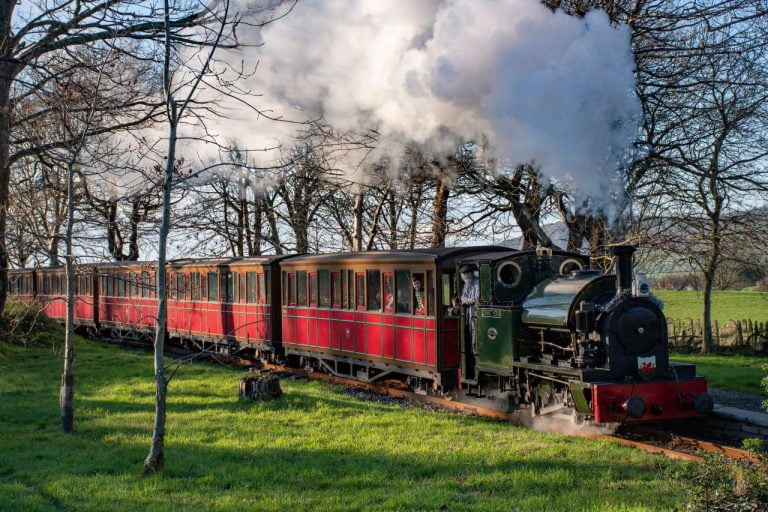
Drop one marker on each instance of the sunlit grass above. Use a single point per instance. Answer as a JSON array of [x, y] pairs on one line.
[[726, 305], [734, 372], [314, 449]]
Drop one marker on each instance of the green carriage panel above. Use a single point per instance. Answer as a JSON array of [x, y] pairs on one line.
[[497, 330]]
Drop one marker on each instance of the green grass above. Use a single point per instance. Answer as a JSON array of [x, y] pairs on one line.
[[737, 373], [314, 449], [725, 305]]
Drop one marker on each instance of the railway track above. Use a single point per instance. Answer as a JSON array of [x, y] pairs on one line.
[[648, 439]]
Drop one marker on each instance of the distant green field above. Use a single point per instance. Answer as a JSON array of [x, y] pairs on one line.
[[725, 305], [737, 373], [316, 448]]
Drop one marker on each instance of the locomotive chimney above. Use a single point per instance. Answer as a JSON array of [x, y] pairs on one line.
[[623, 255]]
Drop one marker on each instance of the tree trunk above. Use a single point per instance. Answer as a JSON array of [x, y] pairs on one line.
[[256, 232], [133, 236], [156, 458], [67, 392], [274, 233], [392, 211], [706, 332], [709, 279], [53, 249], [357, 213], [440, 213], [9, 68]]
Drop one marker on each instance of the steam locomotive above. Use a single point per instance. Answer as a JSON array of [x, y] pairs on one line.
[[551, 335]]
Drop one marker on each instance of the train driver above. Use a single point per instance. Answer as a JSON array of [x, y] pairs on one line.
[[470, 295]]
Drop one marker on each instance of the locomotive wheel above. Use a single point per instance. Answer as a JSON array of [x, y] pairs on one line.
[[577, 418]]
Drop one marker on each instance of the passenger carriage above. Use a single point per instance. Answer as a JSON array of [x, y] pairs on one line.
[[360, 314], [49, 287], [232, 301]]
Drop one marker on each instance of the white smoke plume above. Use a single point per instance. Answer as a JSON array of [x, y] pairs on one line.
[[539, 85]]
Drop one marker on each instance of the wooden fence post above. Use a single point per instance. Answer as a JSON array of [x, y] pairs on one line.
[[717, 333], [739, 333]]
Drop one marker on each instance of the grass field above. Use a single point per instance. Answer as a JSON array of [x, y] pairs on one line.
[[726, 305], [737, 373], [314, 449]]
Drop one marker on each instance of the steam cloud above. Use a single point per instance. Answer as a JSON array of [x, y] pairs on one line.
[[539, 85]]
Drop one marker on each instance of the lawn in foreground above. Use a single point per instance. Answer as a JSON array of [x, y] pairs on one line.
[[314, 449], [734, 372], [726, 305]]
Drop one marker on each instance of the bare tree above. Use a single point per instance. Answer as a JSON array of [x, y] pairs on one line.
[[183, 75], [35, 34]]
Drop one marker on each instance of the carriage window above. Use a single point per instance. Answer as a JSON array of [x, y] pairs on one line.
[[242, 288], [324, 288], [194, 285], [266, 288], [292, 289], [313, 289], [213, 286], [121, 285], [228, 286], [430, 293], [170, 286], [301, 288], [419, 299], [403, 281], [350, 289], [336, 289], [389, 292], [145, 284], [360, 290], [374, 290], [181, 286], [250, 286], [285, 289], [262, 289], [343, 292], [110, 286]]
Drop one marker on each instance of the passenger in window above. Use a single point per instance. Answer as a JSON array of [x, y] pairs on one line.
[[389, 301], [418, 294], [470, 295]]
